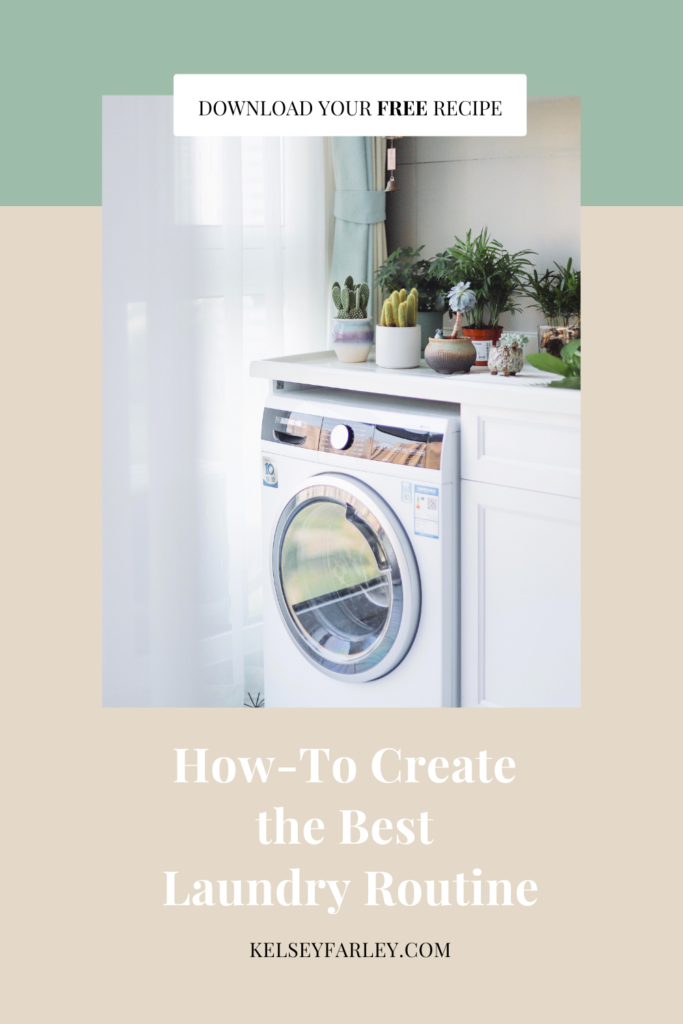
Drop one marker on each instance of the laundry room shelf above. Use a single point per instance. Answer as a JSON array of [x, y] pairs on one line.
[[527, 391]]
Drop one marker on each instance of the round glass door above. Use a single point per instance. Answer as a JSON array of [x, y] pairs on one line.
[[339, 581]]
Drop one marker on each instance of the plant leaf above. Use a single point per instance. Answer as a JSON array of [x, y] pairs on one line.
[[551, 364], [569, 350], [569, 382]]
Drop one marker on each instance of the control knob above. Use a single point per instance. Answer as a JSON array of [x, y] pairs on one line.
[[341, 437]]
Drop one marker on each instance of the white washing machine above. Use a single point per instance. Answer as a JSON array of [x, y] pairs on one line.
[[361, 527]]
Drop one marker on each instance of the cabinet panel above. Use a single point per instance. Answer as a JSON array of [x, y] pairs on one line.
[[520, 598], [530, 450]]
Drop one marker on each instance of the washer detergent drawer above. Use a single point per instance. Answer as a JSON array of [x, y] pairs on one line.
[[292, 429], [345, 578]]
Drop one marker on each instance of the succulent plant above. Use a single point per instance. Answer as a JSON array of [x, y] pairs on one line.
[[509, 339], [461, 299], [352, 300], [400, 310]]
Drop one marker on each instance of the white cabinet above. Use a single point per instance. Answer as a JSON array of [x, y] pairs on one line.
[[519, 448], [521, 557], [520, 597]]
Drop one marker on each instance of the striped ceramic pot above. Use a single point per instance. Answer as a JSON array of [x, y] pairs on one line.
[[352, 339], [448, 355]]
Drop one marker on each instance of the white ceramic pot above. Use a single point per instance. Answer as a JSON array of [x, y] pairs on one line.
[[398, 348]]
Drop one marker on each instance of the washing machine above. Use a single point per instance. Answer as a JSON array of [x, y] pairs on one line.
[[361, 527]]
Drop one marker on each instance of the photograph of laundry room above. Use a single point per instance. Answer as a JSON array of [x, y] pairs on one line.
[[341, 417]]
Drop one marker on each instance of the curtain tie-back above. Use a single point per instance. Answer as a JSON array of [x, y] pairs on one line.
[[360, 207]]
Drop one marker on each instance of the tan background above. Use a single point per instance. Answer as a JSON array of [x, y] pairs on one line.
[[92, 818]]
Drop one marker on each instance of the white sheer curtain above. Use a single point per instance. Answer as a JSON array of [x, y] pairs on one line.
[[214, 254]]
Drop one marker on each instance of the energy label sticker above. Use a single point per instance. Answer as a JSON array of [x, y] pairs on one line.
[[269, 471], [427, 511]]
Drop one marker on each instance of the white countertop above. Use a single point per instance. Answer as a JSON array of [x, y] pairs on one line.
[[526, 391]]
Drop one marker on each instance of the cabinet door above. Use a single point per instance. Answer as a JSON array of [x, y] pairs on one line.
[[520, 598], [536, 451]]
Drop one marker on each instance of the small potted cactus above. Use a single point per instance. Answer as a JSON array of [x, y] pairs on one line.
[[398, 335], [352, 327]]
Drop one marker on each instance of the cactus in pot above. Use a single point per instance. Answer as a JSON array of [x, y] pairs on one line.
[[397, 339], [400, 310], [352, 300], [351, 327]]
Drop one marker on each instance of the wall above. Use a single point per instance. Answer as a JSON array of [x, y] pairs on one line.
[[526, 190]]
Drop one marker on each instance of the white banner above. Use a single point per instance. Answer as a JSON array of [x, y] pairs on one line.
[[390, 105]]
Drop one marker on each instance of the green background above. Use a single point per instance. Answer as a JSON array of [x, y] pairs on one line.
[[623, 60]]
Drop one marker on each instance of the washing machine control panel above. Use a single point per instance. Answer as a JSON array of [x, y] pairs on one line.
[[357, 440]]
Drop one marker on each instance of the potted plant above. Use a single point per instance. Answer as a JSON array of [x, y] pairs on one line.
[[397, 337], [507, 357], [352, 327], [404, 268], [453, 355], [568, 365], [557, 294], [495, 275]]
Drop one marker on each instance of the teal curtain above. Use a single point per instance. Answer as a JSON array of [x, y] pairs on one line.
[[357, 206]]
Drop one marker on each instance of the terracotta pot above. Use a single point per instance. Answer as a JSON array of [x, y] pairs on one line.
[[482, 339], [450, 356]]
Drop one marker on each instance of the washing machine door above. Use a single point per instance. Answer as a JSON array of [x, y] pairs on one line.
[[345, 577]]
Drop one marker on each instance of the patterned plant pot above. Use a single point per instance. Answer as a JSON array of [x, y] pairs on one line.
[[398, 348], [450, 356], [507, 357], [483, 341], [352, 339]]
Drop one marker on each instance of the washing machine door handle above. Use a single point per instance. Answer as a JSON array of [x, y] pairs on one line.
[[370, 536]]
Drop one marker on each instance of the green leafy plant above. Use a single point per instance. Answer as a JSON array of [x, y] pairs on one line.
[[557, 294], [351, 300], [568, 366], [400, 309], [495, 275], [405, 269]]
